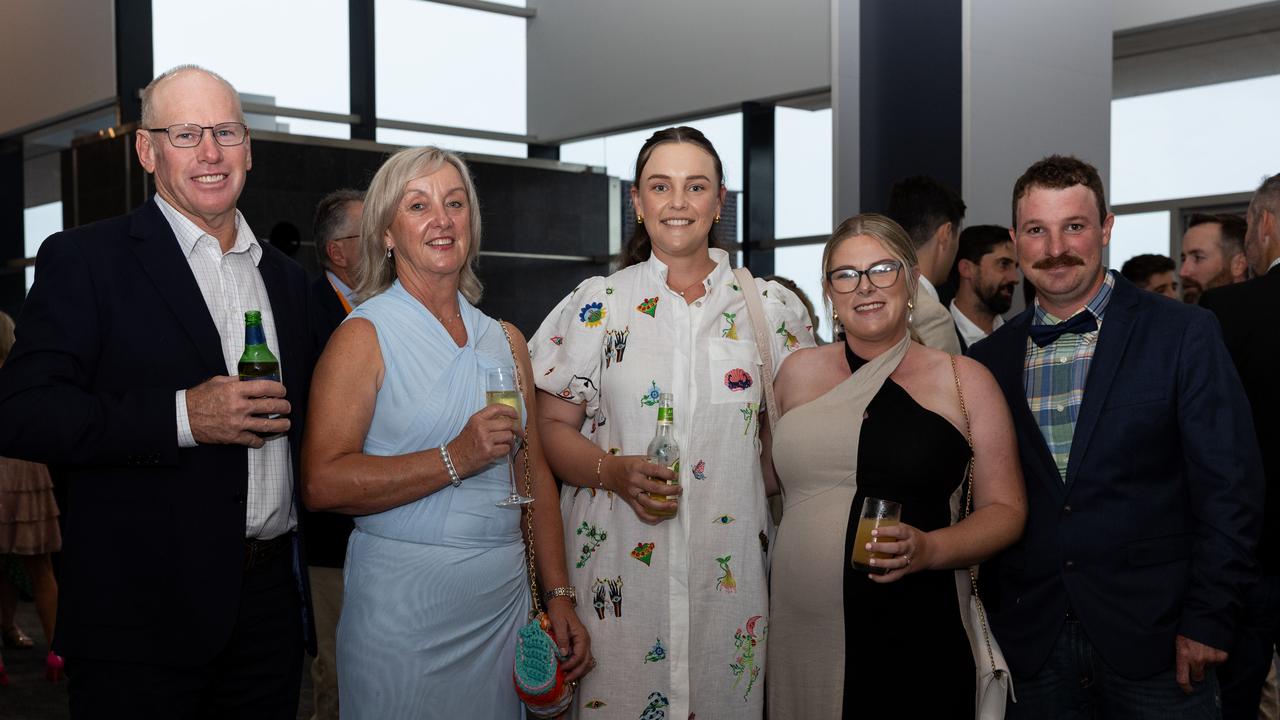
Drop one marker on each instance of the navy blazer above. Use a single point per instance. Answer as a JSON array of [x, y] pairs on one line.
[[153, 547], [1247, 312], [1153, 532]]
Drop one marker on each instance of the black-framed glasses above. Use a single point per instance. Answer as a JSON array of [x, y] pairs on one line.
[[187, 135], [882, 275]]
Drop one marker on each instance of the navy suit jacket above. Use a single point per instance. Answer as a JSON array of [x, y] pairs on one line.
[[1153, 532], [1247, 312], [153, 544]]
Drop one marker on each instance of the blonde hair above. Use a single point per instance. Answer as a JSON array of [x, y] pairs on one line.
[[375, 271], [6, 336], [891, 236]]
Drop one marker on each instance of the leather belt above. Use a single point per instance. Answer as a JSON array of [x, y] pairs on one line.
[[260, 552]]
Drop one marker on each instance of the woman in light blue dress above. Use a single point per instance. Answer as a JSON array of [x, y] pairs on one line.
[[399, 435]]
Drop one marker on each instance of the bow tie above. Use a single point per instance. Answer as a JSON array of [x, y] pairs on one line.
[[1078, 324]]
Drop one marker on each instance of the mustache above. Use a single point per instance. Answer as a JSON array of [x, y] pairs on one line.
[[1053, 263]]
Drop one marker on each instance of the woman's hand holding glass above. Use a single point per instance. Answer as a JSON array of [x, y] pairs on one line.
[[633, 478], [489, 435], [907, 548]]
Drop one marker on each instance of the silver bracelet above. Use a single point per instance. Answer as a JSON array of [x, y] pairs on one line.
[[448, 465]]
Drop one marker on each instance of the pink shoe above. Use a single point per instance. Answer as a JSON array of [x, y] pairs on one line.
[[53, 665]]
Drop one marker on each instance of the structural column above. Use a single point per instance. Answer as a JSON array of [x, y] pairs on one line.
[[757, 187], [364, 78], [135, 58], [12, 242]]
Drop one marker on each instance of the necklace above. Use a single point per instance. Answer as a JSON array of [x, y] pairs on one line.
[[687, 289], [447, 320]]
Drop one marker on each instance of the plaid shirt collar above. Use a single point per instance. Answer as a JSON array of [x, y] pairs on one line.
[[1097, 305]]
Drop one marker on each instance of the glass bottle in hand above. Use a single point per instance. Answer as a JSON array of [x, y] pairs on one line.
[[257, 362], [663, 450]]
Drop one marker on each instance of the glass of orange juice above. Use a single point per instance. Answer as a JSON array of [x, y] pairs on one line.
[[876, 513]]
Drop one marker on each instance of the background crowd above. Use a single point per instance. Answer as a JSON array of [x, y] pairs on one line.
[[1097, 458]]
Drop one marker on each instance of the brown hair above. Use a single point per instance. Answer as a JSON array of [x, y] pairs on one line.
[[639, 247], [1058, 172]]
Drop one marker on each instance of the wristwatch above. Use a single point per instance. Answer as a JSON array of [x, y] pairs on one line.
[[567, 591]]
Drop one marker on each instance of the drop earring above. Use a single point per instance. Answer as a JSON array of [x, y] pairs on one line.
[[389, 252], [910, 311]]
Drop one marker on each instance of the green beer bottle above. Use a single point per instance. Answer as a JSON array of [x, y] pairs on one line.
[[257, 362]]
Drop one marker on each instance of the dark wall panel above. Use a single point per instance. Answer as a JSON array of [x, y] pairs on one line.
[[911, 95]]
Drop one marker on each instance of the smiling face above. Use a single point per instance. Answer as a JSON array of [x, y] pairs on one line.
[[1059, 240], [203, 182], [869, 313], [679, 195], [431, 230]]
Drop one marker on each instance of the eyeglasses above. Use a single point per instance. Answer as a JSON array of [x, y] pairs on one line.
[[187, 135], [882, 275]]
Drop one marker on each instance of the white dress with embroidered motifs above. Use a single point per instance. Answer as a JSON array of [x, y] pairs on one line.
[[678, 611]]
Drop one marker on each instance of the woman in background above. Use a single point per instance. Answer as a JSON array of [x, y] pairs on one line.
[[28, 534]]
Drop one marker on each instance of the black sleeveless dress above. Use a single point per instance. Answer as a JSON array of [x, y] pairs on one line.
[[906, 652]]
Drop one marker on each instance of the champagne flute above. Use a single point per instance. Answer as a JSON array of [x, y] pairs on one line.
[[501, 389]]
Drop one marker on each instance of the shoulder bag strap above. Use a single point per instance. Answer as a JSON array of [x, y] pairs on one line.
[[756, 310], [968, 509], [528, 481]]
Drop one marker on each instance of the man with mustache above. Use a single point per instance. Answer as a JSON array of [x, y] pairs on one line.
[[1152, 272], [1247, 312], [1144, 485], [986, 274], [1212, 254]]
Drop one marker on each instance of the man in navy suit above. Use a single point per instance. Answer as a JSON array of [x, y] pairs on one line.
[[183, 592], [1144, 487], [1248, 313]]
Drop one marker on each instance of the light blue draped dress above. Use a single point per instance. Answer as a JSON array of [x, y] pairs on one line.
[[435, 590]]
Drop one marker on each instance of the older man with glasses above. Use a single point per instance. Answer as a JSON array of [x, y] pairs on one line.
[[183, 587]]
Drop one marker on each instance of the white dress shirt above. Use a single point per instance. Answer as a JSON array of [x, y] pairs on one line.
[[231, 284], [969, 331]]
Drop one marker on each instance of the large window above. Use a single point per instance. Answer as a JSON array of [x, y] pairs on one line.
[[288, 53], [802, 182], [1138, 234], [39, 222], [1208, 140], [452, 66]]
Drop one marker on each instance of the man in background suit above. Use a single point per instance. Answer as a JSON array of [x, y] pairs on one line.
[[1248, 312], [1144, 486], [336, 231], [180, 594], [984, 275], [931, 213]]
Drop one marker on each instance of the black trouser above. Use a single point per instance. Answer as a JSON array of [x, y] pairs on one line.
[[257, 674]]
